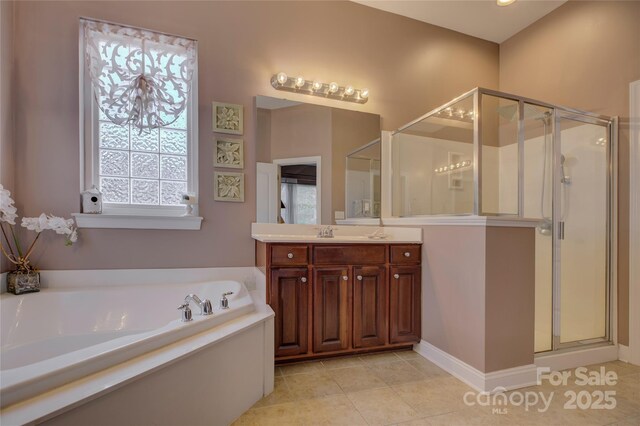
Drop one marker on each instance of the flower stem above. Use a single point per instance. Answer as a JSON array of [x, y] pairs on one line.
[[15, 240], [26, 256], [7, 240], [9, 256]]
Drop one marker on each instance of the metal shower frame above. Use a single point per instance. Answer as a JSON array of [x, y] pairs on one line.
[[558, 112]]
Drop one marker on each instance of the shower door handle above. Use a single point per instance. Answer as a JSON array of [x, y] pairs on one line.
[[561, 230]]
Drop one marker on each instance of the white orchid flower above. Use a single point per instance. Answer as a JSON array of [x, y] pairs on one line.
[[37, 224], [60, 225], [7, 209]]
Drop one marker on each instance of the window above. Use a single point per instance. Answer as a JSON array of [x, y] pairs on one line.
[[140, 151], [299, 202]]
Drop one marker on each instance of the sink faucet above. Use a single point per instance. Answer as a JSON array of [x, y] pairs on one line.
[[205, 305], [325, 232]]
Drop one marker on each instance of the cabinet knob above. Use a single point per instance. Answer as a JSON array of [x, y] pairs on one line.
[[345, 278], [359, 277], [396, 276], [303, 279], [290, 255], [407, 254]]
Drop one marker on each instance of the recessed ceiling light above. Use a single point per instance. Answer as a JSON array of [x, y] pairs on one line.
[[504, 2]]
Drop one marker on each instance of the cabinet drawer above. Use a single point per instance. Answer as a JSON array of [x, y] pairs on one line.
[[349, 255], [287, 255], [403, 255]]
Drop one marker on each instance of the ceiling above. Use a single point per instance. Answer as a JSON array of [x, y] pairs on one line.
[[478, 18]]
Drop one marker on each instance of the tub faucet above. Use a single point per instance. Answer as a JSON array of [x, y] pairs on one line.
[[205, 305]]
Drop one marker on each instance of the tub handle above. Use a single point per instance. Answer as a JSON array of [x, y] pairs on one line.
[[224, 302], [186, 312]]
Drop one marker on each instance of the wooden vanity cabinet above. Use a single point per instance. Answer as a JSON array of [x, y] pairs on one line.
[[370, 319], [404, 304], [335, 299], [290, 302], [331, 309]]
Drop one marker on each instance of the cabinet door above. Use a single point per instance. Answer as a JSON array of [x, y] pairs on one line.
[[331, 309], [404, 304], [290, 302], [369, 306]]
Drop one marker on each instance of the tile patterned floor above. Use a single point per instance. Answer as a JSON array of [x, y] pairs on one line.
[[403, 388]]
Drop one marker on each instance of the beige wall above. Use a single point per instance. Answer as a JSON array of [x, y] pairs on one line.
[[584, 55], [305, 131], [6, 114], [349, 130], [509, 297], [473, 307], [410, 67], [453, 291]]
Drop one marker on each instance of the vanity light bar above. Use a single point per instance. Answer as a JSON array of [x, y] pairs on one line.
[[331, 90], [453, 167]]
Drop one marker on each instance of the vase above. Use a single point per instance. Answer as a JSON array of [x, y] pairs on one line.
[[23, 282]]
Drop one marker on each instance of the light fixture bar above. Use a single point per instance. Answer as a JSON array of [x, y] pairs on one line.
[[330, 90], [459, 166]]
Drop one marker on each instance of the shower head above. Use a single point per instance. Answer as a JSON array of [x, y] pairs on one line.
[[562, 159]]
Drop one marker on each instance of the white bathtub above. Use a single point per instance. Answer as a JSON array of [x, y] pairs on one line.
[[61, 335]]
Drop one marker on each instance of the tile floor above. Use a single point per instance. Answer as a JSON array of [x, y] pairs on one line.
[[405, 389]]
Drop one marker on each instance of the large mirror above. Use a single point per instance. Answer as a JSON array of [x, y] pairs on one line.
[[316, 164]]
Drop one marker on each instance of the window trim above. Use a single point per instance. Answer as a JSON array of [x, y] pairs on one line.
[[88, 135]]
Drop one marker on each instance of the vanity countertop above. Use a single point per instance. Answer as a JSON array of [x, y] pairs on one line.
[[283, 233]]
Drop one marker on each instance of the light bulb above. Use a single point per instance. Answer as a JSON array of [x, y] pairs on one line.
[[364, 93], [333, 87], [299, 81], [317, 85], [282, 78], [349, 90], [504, 2]]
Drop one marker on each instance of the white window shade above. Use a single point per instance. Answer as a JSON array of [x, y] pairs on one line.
[[138, 77]]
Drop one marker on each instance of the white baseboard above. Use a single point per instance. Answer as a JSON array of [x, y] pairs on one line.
[[624, 353], [577, 358], [511, 378]]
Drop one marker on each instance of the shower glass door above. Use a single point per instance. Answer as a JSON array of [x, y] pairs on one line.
[[582, 222]]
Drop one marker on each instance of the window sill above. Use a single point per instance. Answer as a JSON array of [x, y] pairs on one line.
[[131, 221]]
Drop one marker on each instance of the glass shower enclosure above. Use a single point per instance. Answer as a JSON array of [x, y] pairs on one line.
[[362, 181], [489, 153]]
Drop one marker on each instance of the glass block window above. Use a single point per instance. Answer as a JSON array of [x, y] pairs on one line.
[[148, 168], [139, 171]]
